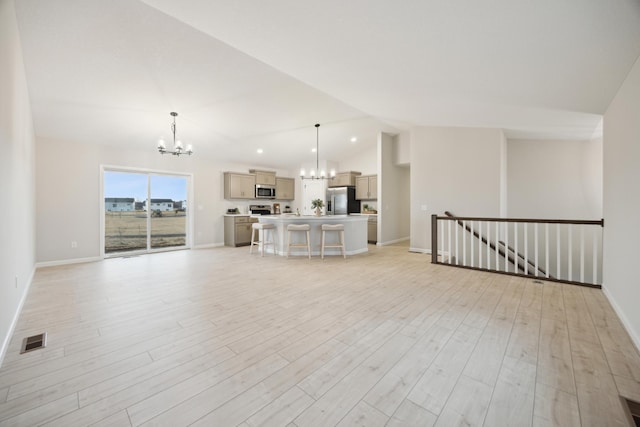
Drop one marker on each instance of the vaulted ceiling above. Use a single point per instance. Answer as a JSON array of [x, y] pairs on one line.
[[256, 74]]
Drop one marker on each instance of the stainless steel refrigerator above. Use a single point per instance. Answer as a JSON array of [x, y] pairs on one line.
[[342, 201]]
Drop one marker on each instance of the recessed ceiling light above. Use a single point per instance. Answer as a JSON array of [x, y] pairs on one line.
[[354, 139], [259, 150], [313, 150]]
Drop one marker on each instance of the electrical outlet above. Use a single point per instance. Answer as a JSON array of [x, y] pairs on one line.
[[74, 244]]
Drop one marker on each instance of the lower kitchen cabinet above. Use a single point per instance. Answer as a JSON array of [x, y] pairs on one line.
[[372, 229], [237, 230]]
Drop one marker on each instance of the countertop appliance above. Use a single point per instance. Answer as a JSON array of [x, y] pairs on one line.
[[265, 191], [342, 201], [260, 209]]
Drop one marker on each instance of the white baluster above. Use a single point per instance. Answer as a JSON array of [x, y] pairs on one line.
[[506, 247], [449, 233], [557, 251], [582, 253], [595, 254], [546, 250], [570, 237], [464, 243], [489, 245], [526, 248]]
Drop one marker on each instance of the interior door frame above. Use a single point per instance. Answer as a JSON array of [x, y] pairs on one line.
[[148, 172]]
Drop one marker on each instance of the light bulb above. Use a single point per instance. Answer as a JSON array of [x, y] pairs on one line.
[[333, 173], [161, 144], [323, 173], [179, 145], [189, 148], [302, 172], [312, 173]]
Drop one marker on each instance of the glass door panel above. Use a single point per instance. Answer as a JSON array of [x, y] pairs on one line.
[[125, 220], [168, 211]]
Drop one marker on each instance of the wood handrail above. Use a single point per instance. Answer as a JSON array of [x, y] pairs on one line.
[[492, 245], [451, 217]]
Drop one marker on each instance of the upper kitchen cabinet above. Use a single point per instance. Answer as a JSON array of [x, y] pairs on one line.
[[264, 177], [239, 185], [367, 187], [344, 178], [285, 188]]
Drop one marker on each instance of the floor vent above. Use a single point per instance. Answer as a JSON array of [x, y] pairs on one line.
[[538, 282], [634, 410], [34, 342]]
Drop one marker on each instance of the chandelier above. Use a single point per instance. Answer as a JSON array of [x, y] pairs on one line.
[[178, 148], [321, 173]]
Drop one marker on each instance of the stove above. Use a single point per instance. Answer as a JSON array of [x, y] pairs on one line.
[[260, 209]]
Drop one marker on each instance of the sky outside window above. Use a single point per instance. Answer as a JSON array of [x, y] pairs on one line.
[[126, 184]]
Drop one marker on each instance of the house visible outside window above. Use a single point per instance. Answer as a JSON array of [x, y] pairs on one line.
[[114, 205]]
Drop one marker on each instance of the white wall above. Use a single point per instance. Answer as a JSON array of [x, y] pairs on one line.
[[366, 162], [393, 194], [621, 202], [68, 195], [402, 149], [17, 188], [454, 169], [555, 179]]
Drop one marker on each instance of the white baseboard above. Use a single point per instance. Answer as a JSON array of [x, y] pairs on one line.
[[392, 242], [209, 246], [420, 250], [67, 261], [625, 322], [14, 322]]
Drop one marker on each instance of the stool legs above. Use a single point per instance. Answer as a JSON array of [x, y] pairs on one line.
[[262, 239], [340, 245], [308, 242], [253, 241]]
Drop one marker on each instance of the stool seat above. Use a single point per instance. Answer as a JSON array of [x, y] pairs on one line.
[[261, 228], [293, 228], [339, 228], [333, 227], [298, 227]]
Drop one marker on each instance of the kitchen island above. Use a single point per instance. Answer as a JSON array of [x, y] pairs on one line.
[[355, 233]]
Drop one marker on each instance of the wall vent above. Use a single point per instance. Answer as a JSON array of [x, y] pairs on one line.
[[34, 342]]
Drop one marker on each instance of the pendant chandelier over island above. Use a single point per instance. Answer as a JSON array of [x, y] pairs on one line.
[[321, 173]]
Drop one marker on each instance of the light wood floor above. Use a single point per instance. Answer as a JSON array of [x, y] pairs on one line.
[[220, 338]]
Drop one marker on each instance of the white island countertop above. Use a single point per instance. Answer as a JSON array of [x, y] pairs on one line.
[[355, 232]]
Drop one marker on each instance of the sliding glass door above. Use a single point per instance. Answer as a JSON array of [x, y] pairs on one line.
[[168, 198], [144, 211]]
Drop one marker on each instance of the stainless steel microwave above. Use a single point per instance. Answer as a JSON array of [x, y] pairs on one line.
[[265, 191]]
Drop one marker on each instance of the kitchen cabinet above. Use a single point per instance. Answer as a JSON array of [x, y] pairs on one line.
[[239, 185], [285, 188], [367, 187], [237, 230], [344, 178], [372, 229], [264, 177]]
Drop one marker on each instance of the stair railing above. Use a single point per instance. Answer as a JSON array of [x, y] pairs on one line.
[[520, 246]]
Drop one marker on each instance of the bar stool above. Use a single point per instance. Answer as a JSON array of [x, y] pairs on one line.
[[261, 228], [297, 228], [333, 227]]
